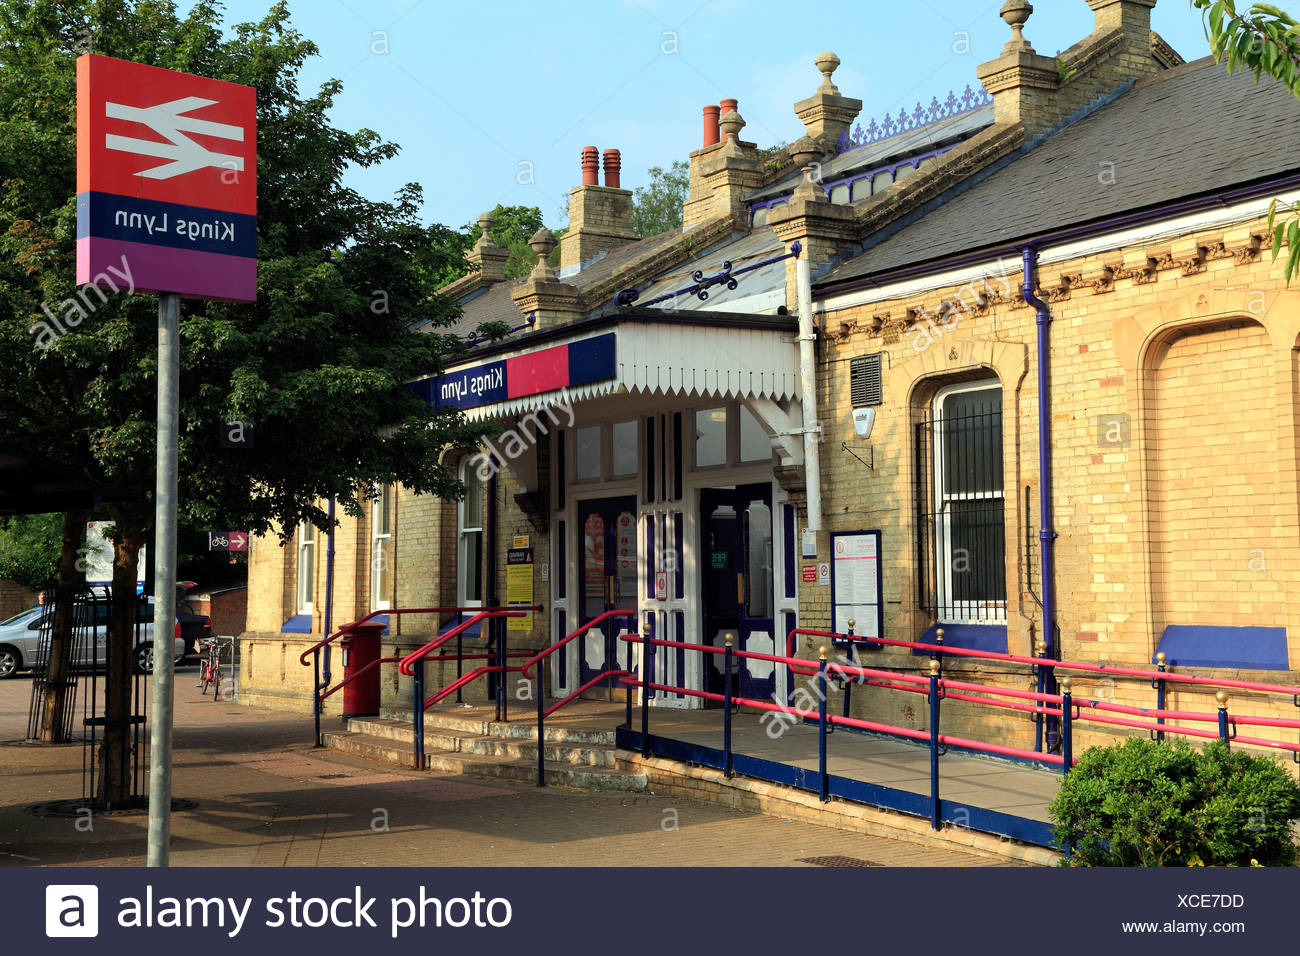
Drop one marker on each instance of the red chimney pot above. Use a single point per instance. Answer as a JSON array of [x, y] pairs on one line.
[[728, 106], [590, 165], [712, 135], [613, 163]]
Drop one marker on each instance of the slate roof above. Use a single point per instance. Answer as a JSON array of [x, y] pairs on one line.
[[1186, 132]]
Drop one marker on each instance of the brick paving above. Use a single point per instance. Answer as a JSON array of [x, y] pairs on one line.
[[266, 797]]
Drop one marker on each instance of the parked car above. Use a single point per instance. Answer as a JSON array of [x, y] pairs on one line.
[[21, 639]]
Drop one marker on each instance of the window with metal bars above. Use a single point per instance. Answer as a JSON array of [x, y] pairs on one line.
[[961, 509]]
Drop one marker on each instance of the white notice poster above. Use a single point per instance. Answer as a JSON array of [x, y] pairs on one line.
[[855, 582]]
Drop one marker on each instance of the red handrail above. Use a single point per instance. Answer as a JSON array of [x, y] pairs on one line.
[[548, 651], [348, 628], [1082, 708], [1047, 662], [604, 675], [350, 678], [855, 722], [409, 660]]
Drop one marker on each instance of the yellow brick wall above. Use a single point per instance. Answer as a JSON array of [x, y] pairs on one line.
[[1191, 518]]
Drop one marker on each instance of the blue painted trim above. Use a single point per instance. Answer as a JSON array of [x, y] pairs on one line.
[[975, 637], [471, 631], [1240, 648], [298, 624], [973, 818]]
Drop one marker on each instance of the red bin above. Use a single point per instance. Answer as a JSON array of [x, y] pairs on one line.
[[361, 648]]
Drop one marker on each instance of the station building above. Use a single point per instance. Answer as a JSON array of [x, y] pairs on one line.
[[1017, 365]]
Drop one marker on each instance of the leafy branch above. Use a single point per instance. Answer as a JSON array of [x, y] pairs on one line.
[[1263, 40]]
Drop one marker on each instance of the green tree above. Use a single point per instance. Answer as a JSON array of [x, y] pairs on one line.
[[1263, 40], [657, 207], [29, 549], [512, 227], [316, 365]]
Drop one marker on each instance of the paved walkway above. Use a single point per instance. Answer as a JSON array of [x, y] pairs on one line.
[[268, 798]]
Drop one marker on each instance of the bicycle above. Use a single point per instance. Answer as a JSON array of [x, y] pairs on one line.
[[210, 670]]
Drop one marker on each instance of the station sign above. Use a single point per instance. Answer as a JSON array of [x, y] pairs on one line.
[[534, 373], [166, 180]]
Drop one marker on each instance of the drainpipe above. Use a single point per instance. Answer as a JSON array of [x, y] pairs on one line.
[[495, 626], [1046, 534], [329, 592], [808, 387]]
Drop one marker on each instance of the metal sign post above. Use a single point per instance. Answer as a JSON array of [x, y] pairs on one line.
[[177, 216], [164, 599]]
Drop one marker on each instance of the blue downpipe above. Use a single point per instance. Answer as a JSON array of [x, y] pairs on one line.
[[1046, 534]]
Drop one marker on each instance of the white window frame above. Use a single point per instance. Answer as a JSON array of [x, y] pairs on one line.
[[381, 601], [472, 486], [305, 583], [951, 611]]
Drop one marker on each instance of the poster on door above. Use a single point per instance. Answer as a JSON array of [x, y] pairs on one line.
[[855, 583]]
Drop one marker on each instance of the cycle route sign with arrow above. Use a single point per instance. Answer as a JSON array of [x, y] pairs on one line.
[[227, 541]]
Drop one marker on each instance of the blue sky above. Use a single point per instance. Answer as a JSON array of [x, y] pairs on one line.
[[482, 95]]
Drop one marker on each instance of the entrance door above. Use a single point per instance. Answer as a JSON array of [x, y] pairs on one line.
[[736, 554], [607, 581]]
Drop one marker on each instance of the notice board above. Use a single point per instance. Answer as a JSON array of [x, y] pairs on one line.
[[856, 583], [519, 586]]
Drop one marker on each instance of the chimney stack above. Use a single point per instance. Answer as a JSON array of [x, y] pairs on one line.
[[712, 134], [590, 164], [600, 217], [613, 163]]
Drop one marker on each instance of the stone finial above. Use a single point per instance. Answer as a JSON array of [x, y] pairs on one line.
[[485, 223], [732, 123], [1016, 13], [827, 63], [542, 243], [805, 151]]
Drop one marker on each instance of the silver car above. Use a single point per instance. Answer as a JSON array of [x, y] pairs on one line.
[[21, 645]]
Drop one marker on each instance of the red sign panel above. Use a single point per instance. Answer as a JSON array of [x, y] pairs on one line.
[[166, 179]]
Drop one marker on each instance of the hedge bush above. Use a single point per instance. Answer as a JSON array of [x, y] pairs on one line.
[[1143, 803]]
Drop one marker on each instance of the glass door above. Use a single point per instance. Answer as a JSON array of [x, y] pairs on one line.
[[607, 580], [736, 548]]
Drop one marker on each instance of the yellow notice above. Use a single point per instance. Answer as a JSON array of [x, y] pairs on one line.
[[519, 590]]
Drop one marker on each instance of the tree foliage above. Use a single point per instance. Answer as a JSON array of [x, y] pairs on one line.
[[316, 365], [1264, 40], [1144, 803], [29, 549], [657, 207]]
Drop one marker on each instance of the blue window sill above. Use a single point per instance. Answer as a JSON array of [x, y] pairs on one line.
[[973, 637], [298, 624], [1237, 648], [471, 631]]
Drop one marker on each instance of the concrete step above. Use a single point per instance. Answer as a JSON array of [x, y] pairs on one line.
[[579, 778], [370, 747], [519, 728], [562, 753], [435, 738], [576, 753]]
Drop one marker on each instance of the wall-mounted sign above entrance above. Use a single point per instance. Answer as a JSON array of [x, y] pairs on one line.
[[166, 179], [855, 583], [534, 373]]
